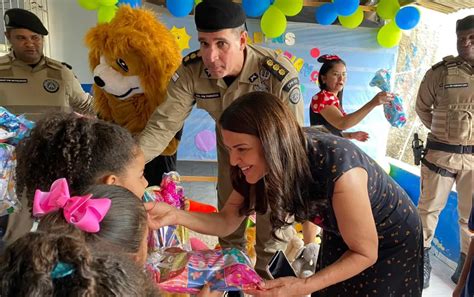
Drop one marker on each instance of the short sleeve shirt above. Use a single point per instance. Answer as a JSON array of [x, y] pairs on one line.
[[323, 99]]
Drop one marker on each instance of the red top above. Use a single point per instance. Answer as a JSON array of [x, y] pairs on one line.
[[323, 99]]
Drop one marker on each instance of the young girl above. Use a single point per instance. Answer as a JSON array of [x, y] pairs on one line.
[[85, 151], [43, 264], [326, 106]]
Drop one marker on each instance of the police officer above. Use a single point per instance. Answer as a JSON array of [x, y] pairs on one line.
[[224, 68], [445, 105], [31, 83], [34, 85]]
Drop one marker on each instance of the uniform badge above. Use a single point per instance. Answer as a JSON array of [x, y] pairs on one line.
[[264, 74], [260, 87], [295, 95], [275, 68], [253, 77], [51, 86], [207, 72], [175, 76], [290, 84]]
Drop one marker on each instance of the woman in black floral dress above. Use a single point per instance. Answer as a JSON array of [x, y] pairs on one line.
[[372, 242]]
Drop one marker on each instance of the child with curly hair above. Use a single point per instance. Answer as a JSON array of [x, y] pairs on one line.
[[44, 264], [83, 150]]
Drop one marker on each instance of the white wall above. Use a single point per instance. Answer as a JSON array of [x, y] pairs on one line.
[[68, 24]]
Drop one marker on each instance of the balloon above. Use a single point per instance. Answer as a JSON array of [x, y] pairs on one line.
[[289, 7], [273, 22], [107, 2], [88, 4], [106, 13], [132, 3], [387, 9], [407, 18], [389, 35], [352, 21], [326, 14], [196, 2], [346, 7], [255, 8], [180, 8]]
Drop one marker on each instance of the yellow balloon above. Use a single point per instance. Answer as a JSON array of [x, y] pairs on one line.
[[107, 2], [387, 9], [273, 22], [196, 2], [289, 7], [106, 13], [352, 21], [88, 4], [389, 35]]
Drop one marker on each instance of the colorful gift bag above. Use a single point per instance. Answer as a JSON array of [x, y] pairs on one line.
[[187, 272], [8, 199], [394, 110]]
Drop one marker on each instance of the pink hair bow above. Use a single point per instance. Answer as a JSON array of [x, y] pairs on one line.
[[82, 211]]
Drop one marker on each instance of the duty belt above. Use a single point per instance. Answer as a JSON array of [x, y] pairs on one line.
[[437, 169], [449, 148]]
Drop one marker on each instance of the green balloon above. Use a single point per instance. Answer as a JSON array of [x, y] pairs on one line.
[[352, 21], [389, 35], [289, 7], [387, 9], [107, 2], [273, 22], [106, 13], [196, 2], [88, 4]]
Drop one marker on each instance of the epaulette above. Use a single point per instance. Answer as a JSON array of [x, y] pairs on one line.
[[53, 63], [67, 65], [5, 63], [191, 58], [449, 62], [275, 68]]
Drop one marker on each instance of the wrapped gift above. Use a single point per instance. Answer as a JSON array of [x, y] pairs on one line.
[[394, 110], [181, 271]]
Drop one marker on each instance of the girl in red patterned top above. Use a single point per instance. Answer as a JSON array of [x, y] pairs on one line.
[[326, 106]]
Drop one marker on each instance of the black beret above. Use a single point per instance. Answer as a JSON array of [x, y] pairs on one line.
[[216, 15], [24, 19], [466, 23]]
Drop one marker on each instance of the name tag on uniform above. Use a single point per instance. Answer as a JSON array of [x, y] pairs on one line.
[[13, 80], [207, 96], [455, 86]]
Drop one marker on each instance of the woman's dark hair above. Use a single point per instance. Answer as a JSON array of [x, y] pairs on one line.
[[123, 226], [77, 148], [26, 270], [328, 63], [284, 189]]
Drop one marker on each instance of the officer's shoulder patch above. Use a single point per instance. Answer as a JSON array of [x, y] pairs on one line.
[[191, 58], [275, 68], [67, 65], [290, 84], [54, 64]]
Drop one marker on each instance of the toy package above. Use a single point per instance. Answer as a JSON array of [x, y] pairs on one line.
[[394, 111], [180, 271], [12, 130]]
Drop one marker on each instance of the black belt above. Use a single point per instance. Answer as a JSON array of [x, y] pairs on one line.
[[437, 169], [449, 148]]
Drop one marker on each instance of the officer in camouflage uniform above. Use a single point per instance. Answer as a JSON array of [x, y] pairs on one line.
[[31, 83], [34, 85], [445, 105], [212, 77]]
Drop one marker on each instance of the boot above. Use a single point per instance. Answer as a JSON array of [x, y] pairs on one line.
[[426, 268], [457, 273]]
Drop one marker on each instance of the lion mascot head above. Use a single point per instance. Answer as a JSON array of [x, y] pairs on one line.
[[133, 57]]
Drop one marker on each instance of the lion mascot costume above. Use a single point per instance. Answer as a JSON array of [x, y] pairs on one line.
[[133, 57]]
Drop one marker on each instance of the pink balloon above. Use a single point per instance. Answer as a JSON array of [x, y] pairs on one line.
[[205, 140], [315, 52]]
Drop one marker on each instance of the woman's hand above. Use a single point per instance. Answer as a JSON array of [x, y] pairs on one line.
[[160, 214], [359, 135], [280, 287], [382, 98]]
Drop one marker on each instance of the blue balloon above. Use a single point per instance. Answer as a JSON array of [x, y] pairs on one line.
[[132, 3], [255, 8], [326, 14], [180, 8], [346, 7], [407, 18]]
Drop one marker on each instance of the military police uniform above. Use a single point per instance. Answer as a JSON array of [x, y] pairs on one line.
[[445, 105], [34, 90], [263, 70]]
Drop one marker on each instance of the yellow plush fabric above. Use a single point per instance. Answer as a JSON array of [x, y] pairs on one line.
[[151, 52]]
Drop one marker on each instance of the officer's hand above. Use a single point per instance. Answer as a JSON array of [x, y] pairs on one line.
[[160, 214], [383, 98]]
